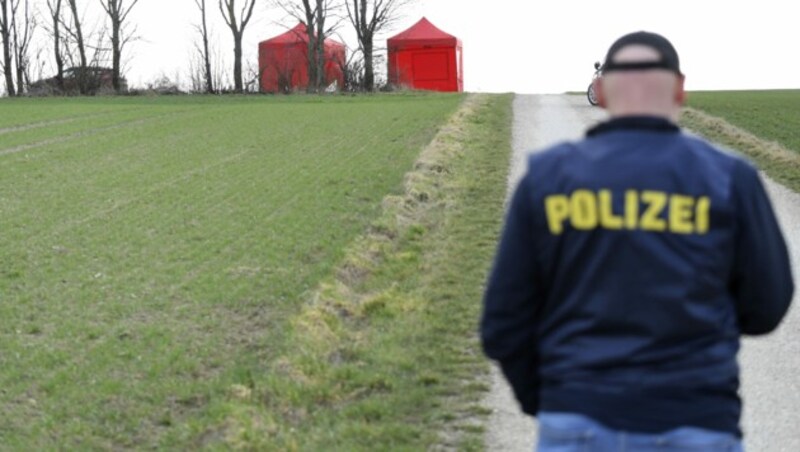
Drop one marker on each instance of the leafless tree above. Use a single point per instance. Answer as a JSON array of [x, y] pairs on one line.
[[196, 74], [74, 30], [54, 6], [23, 26], [353, 72], [368, 18], [237, 24], [17, 25], [221, 77], [202, 29], [8, 55], [118, 13], [314, 14], [252, 77], [197, 71]]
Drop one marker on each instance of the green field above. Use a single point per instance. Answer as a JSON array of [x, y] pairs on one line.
[[760, 124], [259, 273], [153, 250], [772, 115]]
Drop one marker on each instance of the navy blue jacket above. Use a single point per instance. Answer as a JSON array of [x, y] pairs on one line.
[[629, 265]]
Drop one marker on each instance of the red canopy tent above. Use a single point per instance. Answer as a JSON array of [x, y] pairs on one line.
[[425, 57], [283, 61]]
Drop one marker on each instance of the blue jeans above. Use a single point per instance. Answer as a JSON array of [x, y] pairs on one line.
[[566, 432]]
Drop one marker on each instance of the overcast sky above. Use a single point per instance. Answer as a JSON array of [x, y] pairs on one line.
[[521, 45]]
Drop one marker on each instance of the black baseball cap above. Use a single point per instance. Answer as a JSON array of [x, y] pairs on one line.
[[668, 55]]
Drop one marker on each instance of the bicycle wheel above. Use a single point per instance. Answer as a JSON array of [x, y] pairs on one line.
[[590, 94]]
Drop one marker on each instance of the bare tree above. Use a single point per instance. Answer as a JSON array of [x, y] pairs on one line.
[[196, 74], [75, 31], [8, 56], [314, 14], [221, 77], [23, 25], [369, 17], [16, 29], [54, 6], [306, 14], [237, 26], [202, 29], [353, 72], [118, 14]]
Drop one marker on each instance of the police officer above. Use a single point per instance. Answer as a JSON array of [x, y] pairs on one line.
[[629, 265]]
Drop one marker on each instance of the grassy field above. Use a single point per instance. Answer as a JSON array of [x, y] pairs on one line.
[[158, 258], [761, 124], [254, 273], [772, 115], [267, 273], [386, 356]]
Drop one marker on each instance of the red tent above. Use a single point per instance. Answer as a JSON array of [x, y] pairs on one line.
[[283, 61], [425, 57]]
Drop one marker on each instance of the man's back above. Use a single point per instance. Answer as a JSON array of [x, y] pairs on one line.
[[639, 241], [629, 265]]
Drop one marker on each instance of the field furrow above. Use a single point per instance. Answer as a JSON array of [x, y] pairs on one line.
[[152, 247]]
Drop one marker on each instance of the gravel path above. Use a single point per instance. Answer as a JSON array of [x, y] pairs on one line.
[[770, 365]]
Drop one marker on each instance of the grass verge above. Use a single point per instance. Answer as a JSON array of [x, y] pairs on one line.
[[384, 355], [778, 161]]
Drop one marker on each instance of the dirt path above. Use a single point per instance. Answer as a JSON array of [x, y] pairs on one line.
[[771, 365]]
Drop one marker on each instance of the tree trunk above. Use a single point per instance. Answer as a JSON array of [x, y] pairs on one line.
[[117, 13], [237, 27], [321, 76], [116, 55], [20, 43], [237, 63], [78, 33], [5, 34], [369, 66], [369, 17], [55, 12], [83, 84], [206, 55], [20, 63], [320, 46], [311, 54], [209, 80]]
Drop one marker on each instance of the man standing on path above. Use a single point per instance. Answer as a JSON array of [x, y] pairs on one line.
[[629, 265]]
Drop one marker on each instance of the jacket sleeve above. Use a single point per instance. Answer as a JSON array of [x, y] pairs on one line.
[[508, 324], [762, 277]]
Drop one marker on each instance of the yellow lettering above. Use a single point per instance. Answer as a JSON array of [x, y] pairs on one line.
[[557, 210], [607, 218], [631, 209], [583, 209], [655, 201], [649, 210], [701, 214], [681, 208]]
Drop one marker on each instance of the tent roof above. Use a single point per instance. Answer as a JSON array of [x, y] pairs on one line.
[[422, 33], [296, 35]]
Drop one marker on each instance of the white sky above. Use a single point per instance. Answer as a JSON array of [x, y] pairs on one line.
[[521, 45]]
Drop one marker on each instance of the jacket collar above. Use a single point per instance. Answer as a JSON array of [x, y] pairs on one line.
[[651, 123]]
